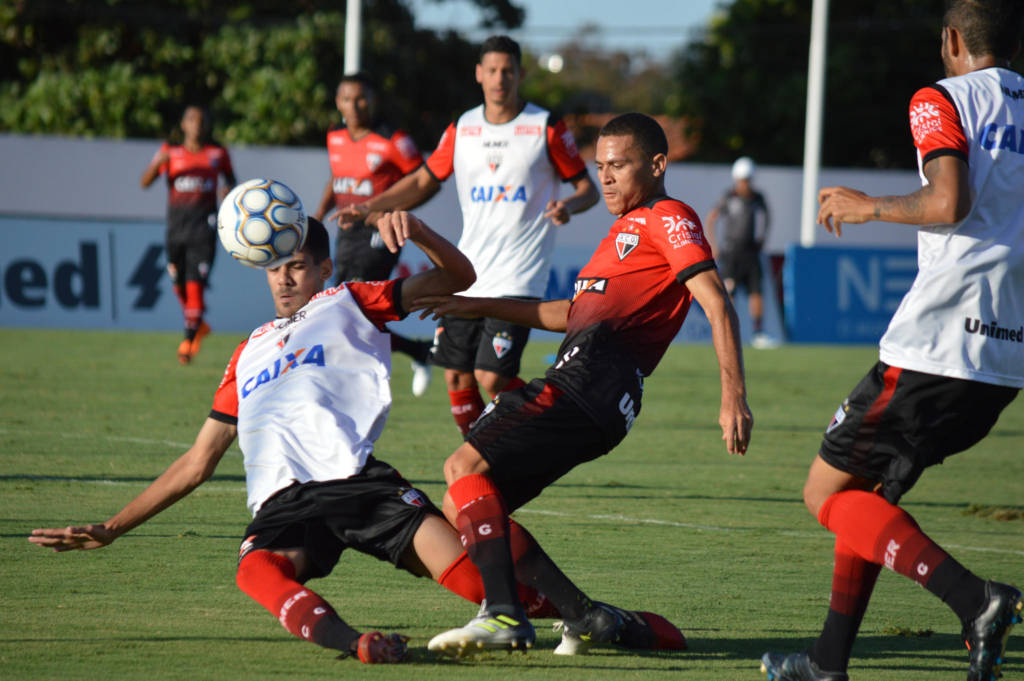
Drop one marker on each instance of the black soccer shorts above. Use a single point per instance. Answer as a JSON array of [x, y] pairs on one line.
[[897, 422], [360, 255], [532, 436], [743, 267], [191, 246], [376, 512], [481, 343]]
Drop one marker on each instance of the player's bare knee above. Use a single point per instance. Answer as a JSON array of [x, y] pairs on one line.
[[466, 460]]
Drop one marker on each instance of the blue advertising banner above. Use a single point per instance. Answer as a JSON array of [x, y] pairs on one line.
[[844, 295]]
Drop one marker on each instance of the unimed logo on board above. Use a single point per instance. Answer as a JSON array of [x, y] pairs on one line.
[[72, 282]]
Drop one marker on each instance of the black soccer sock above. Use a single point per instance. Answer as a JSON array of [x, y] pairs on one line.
[[535, 568], [417, 349], [959, 588]]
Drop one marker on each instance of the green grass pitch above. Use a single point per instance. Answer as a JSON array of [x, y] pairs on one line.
[[668, 522]]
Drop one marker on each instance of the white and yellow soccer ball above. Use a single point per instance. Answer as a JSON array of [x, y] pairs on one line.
[[261, 223]]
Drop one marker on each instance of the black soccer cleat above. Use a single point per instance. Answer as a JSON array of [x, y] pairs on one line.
[[604, 623], [985, 637], [796, 667]]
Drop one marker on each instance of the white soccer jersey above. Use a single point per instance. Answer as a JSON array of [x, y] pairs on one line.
[[310, 393], [505, 175], [964, 315]]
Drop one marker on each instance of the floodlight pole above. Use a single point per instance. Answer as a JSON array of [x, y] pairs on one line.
[[353, 34], [813, 121]]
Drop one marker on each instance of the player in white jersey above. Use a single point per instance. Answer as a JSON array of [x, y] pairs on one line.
[[307, 395], [952, 358], [508, 158]]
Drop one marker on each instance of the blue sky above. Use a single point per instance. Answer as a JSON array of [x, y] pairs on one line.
[[655, 26]]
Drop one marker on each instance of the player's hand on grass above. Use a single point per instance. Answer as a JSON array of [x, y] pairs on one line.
[[436, 307], [843, 205], [557, 211], [72, 538], [737, 423]]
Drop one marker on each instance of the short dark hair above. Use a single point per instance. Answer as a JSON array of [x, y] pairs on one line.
[[318, 244], [987, 26], [645, 131], [361, 77], [501, 43]]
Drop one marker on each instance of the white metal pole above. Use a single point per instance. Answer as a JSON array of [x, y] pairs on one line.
[[353, 34], [813, 122]]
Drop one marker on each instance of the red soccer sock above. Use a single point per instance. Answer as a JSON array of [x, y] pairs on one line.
[[179, 292], [853, 580], [269, 579], [466, 407], [194, 305], [462, 578], [483, 526]]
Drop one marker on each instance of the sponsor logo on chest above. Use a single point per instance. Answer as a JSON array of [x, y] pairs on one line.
[[353, 185], [593, 285], [495, 193], [290, 361], [188, 184]]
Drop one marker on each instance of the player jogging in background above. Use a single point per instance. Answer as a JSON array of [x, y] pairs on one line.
[[952, 358], [508, 158], [192, 169], [367, 156], [307, 396], [630, 301]]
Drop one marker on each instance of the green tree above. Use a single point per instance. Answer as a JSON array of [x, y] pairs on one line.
[[265, 68], [745, 80]]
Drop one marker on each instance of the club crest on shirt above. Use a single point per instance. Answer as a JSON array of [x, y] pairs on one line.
[[502, 343], [839, 416], [373, 160], [625, 243], [494, 159]]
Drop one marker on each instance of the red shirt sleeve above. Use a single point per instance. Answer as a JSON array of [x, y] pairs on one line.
[[225, 164], [441, 163], [225, 399], [676, 231], [562, 151], [377, 300], [405, 155], [935, 124]]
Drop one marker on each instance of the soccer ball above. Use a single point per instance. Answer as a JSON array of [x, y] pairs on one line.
[[261, 223]]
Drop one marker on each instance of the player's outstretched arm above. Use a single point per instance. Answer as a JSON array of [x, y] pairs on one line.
[[152, 171], [189, 471], [734, 416], [945, 199], [411, 191], [549, 315], [452, 270]]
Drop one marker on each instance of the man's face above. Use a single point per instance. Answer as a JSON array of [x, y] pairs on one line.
[[499, 76], [295, 282], [355, 102], [627, 176], [192, 122]]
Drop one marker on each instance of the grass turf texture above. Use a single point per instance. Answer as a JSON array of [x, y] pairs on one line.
[[668, 522]]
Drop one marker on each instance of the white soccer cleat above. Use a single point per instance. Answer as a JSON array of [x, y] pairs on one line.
[[484, 632], [421, 376]]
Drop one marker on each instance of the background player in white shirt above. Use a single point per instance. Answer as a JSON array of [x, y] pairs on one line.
[[508, 158], [942, 379]]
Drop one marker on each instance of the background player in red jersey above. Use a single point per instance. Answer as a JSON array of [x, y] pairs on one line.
[[939, 386], [367, 156], [193, 168], [630, 301], [508, 158]]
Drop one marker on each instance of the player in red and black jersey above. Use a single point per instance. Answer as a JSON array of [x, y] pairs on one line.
[[367, 156], [193, 169], [629, 303]]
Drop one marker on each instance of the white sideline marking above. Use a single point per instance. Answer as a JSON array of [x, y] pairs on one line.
[[715, 528]]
